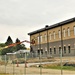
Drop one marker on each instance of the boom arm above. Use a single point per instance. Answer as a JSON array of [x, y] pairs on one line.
[[14, 44]]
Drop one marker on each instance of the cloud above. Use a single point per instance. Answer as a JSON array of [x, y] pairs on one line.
[[23, 12], [19, 17]]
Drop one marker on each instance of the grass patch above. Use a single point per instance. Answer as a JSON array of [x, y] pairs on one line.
[[3, 74], [63, 67]]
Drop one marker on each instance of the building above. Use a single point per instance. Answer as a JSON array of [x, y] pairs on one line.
[[53, 39]]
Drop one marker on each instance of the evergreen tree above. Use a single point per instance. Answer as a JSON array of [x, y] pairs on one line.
[[7, 50], [11, 49], [19, 46], [1, 46], [9, 41]]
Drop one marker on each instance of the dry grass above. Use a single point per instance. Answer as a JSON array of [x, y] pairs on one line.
[[4, 74], [2, 62], [32, 60]]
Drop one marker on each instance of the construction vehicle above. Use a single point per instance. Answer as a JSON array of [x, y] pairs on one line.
[[14, 44]]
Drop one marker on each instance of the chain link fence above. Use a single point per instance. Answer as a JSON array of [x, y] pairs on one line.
[[30, 64]]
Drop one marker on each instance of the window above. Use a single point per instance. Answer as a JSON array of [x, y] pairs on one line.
[[64, 32], [59, 50], [59, 33], [40, 51], [64, 49], [54, 50], [68, 31], [45, 50], [38, 39], [50, 50], [74, 46], [50, 36], [74, 30], [69, 49], [41, 39], [54, 34], [45, 37]]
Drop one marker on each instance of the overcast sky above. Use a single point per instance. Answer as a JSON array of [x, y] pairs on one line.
[[19, 17]]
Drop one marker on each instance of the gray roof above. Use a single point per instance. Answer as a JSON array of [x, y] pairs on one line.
[[53, 26]]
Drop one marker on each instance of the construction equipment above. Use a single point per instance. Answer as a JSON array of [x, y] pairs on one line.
[[14, 44]]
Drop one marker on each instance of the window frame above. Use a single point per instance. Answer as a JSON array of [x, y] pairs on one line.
[[54, 34], [64, 32], [65, 49], [38, 39], [59, 50], [45, 35], [41, 38], [54, 50], [69, 49], [50, 50], [68, 31], [50, 36], [59, 34], [74, 30]]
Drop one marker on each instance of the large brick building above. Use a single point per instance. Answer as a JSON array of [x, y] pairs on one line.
[[50, 40]]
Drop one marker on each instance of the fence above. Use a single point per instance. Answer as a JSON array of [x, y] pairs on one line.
[[29, 64]]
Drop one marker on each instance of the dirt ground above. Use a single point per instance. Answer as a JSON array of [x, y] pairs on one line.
[[21, 70]]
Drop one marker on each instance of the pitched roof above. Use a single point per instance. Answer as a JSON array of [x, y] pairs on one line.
[[53, 26]]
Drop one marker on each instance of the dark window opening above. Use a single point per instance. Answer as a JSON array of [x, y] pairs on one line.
[[59, 50], [69, 49], [39, 51], [50, 50], [54, 50], [64, 49]]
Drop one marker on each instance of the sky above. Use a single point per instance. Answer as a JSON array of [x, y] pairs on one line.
[[20, 17]]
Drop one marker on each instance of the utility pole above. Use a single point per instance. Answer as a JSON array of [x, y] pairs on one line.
[[61, 53]]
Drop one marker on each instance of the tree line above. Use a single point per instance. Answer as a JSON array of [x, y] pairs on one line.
[[11, 49]]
